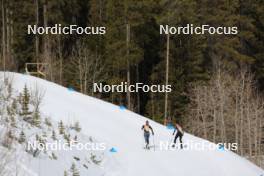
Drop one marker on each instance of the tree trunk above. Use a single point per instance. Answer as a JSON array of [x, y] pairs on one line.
[[3, 37], [236, 120], [45, 21], [152, 105], [7, 37], [46, 42], [138, 95], [95, 67], [128, 64], [12, 38], [61, 61], [241, 118], [248, 122], [80, 74], [36, 36], [167, 78]]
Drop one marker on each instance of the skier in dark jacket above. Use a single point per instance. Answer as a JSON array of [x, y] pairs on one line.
[[147, 129], [178, 134]]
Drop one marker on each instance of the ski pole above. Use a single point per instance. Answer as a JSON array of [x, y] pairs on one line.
[[144, 141], [172, 139], [154, 143]]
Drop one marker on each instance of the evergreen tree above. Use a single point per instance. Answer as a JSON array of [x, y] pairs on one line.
[[22, 137], [37, 137], [74, 170], [122, 47], [75, 138], [25, 105], [7, 139], [77, 126], [47, 122], [42, 142], [22, 43], [44, 134], [14, 106], [182, 61], [10, 134], [13, 121], [36, 118], [68, 139], [11, 114], [53, 156], [61, 127], [54, 135], [252, 39]]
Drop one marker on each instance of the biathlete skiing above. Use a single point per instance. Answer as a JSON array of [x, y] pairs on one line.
[[179, 134], [147, 129]]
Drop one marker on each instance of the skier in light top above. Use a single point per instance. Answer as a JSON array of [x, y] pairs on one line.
[[147, 129], [178, 134]]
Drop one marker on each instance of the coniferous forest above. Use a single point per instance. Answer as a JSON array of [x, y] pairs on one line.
[[217, 80]]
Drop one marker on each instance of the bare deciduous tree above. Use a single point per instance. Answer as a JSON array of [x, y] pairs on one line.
[[86, 68], [229, 109]]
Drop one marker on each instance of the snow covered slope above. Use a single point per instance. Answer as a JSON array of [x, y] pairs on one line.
[[120, 129]]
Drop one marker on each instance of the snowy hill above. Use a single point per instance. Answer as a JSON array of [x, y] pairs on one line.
[[121, 129]]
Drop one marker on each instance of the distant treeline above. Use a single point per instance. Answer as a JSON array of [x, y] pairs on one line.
[[132, 50]]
